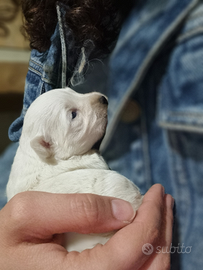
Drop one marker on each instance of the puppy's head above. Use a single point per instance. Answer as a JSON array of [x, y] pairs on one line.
[[62, 123]]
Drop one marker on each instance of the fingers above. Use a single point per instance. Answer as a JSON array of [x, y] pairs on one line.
[[39, 215], [35, 215], [145, 229], [163, 249], [161, 257]]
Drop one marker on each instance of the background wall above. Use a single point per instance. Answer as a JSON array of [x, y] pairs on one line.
[[14, 57]]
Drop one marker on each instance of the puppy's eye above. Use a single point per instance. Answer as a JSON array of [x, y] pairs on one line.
[[74, 114]]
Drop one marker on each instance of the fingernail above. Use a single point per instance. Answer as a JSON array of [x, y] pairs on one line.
[[122, 210]]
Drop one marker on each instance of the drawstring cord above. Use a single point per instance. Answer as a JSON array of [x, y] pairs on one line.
[[63, 48], [81, 65]]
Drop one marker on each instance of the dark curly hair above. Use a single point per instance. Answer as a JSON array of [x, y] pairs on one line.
[[98, 20]]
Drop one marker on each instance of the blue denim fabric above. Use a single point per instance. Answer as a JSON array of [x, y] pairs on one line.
[[6, 160], [158, 63]]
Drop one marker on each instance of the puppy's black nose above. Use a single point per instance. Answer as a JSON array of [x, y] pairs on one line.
[[103, 100]]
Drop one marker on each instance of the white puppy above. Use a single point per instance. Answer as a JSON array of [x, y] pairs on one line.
[[56, 154]]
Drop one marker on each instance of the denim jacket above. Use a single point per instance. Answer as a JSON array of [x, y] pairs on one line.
[[157, 65], [155, 74]]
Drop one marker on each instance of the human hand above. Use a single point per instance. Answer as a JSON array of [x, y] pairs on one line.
[[32, 226]]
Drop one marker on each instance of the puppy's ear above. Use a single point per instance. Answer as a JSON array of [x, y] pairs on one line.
[[43, 147]]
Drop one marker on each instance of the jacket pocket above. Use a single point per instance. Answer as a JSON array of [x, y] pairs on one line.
[[180, 100]]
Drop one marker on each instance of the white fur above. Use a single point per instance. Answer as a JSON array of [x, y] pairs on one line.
[[55, 154]]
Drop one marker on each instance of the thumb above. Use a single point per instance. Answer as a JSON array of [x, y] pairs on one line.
[[41, 215]]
